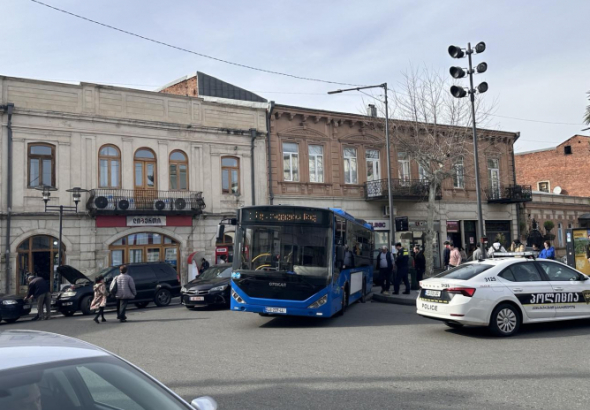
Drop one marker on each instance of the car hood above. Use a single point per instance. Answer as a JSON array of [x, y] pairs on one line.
[[71, 274], [206, 284], [4, 296]]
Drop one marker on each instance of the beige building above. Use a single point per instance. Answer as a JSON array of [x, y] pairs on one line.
[[162, 171]]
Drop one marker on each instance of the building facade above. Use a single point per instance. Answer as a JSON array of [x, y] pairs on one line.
[[563, 170], [323, 158], [162, 171]]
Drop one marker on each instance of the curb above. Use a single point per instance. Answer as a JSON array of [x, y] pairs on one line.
[[392, 299]]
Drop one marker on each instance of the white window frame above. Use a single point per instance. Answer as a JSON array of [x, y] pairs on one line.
[[544, 182], [459, 178], [291, 161], [421, 173], [403, 164], [353, 175], [316, 177], [376, 165]]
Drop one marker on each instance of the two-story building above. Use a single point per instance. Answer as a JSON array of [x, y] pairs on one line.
[[162, 170], [324, 158]]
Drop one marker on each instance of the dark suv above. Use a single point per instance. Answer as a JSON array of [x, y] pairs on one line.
[[155, 282]]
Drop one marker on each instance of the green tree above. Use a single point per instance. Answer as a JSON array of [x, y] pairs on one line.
[[549, 225]]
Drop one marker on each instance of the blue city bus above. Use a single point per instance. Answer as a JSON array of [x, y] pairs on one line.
[[300, 261]]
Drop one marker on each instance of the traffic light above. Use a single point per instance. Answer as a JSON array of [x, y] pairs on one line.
[[401, 224]]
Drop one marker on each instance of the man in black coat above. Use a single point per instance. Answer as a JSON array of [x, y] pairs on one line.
[[385, 267], [447, 254], [39, 289], [419, 263], [401, 261]]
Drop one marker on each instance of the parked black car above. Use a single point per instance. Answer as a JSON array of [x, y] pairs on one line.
[[12, 307], [155, 282], [212, 287]]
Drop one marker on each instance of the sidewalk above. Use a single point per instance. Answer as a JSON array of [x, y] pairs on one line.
[[401, 299]]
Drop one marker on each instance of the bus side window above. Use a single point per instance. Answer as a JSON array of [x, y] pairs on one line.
[[340, 232]]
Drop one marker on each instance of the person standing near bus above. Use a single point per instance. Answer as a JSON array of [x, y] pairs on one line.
[[401, 261], [419, 263], [385, 266]]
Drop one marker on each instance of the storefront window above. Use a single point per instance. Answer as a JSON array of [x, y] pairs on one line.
[[144, 247]]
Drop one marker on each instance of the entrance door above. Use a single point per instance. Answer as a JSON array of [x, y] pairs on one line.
[[494, 178], [37, 255]]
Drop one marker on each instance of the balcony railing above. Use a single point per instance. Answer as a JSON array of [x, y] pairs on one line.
[[144, 202], [412, 189], [510, 194]]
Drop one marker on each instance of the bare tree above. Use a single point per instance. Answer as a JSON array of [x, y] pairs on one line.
[[434, 129]]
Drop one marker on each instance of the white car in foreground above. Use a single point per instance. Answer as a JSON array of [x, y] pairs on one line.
[[504, 293]]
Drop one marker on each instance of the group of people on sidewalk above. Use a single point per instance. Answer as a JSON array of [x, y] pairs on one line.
[[396, 268]]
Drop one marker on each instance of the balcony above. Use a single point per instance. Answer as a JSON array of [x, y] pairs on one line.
[[144, 202], [510, 194], [408, 189]]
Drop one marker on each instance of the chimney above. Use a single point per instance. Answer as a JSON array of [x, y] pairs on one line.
[[372, 110]]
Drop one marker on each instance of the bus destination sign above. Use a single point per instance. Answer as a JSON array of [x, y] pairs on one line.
[[293, 215]]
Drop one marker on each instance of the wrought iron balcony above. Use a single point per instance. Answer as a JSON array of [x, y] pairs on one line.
[[510, 194], [410, 189], [144, 202]]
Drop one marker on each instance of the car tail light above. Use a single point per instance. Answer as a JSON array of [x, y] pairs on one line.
[[468, 292]]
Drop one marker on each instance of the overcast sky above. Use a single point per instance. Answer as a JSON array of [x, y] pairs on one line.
[[537, 51]]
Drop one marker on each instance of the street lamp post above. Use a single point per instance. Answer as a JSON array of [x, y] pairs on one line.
[[460, 92], [389, 191], [77, 195]]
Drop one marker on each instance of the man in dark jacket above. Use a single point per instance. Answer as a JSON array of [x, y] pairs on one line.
[[447, 254], [419, 263], [39, 289], [401, 261], [385, 267], [125, 292]]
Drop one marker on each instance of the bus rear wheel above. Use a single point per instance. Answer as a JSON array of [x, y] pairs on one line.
[[344, 300]]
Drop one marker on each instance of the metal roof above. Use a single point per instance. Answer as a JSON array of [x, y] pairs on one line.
[[214, 87]]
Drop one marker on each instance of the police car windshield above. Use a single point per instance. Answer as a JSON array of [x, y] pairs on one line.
[[465, 272]]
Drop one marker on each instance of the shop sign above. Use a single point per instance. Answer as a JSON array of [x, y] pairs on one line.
[[379, 224], [423, 225], [146, 221], [452, 226]]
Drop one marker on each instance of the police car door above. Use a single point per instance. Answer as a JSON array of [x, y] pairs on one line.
[[570, 290], [530, 288]]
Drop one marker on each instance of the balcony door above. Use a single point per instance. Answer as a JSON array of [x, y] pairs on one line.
[[145, 178], [373, 173], [494, 178]]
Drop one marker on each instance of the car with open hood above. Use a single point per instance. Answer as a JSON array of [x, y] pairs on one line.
[[13, 307], [156, 282], [211, 287]]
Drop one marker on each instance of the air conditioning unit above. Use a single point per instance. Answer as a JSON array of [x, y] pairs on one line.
[[386, 210]]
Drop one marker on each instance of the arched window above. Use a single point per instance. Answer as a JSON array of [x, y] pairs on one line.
[[109, 167], [230, 175], [41, 159], [145, 169], [178, 171]]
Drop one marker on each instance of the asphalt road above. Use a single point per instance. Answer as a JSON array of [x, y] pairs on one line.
[[378, 356]]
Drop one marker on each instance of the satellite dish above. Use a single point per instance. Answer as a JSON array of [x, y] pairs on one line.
[[557, 190]]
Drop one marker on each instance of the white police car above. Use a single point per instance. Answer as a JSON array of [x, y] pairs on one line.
[[504, 293]]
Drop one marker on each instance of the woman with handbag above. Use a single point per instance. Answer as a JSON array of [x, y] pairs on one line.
[[100, 298]]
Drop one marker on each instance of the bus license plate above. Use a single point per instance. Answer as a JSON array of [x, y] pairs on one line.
[[197, 298], [434, 293], [275, 310]]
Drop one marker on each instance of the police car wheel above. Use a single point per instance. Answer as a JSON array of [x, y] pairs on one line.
[[505, 320]]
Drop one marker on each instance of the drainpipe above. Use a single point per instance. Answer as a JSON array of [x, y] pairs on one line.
[[271, 196], [514, 182], [252, 140], [9, 108]]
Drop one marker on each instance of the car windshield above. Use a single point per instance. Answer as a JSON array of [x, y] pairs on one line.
[[216, 272], [294, 249], [98, 383], [465, 272], [102, 272]]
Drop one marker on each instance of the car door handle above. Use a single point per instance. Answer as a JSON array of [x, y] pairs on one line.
[[559, 289], [517, 289]]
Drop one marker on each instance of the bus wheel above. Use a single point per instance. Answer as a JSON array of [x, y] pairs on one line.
[[344, 300]]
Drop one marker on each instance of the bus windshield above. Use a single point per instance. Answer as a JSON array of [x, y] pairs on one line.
[[292, 249]]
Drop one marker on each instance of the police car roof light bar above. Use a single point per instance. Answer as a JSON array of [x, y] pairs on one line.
[[513, 254]]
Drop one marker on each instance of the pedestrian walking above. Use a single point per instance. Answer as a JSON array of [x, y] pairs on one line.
[[455, 258], [548, 252], [447, 254], [39, 289], [123, 287], [100, 298], [419, 263], [477, 253], [385, 266], [401, 262]]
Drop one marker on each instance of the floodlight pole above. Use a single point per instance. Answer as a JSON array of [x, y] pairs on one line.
[[389, 190], [476, 154]]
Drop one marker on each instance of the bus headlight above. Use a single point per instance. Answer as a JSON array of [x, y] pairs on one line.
[[236, 297], [320, 302]]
